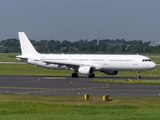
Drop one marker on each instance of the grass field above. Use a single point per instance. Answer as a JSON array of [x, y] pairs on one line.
[[129, 81], [25, 107], [8, 57]]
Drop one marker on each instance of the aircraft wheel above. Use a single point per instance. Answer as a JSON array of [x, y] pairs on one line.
[[91, 76], [138, 77], [74, 75]]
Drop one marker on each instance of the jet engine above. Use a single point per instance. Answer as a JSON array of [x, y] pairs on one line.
[[110, 72], [86, 70]]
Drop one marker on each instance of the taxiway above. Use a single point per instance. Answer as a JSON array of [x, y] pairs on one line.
[[68, 86]]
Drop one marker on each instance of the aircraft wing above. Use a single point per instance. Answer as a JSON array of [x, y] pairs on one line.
[[73, 65], [67, 63]]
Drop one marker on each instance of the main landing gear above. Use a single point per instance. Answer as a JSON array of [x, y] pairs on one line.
[[75, 75], [91, 76], [138, 75]]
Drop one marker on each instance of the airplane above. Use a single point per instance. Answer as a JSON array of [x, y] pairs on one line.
[[85, 64]]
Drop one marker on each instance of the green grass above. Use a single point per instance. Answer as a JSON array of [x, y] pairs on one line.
[[23, 107], [27, 69], [156, 59], [144, 82], [8, 57]]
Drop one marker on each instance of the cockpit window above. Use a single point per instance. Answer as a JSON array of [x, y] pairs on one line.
[[146, 60]]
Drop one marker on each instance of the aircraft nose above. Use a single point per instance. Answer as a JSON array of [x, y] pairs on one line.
[[153, 65]]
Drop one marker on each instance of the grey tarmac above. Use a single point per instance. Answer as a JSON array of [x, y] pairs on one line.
[[68, 86]]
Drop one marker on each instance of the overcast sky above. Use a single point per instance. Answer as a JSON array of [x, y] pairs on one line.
[[81, 19]]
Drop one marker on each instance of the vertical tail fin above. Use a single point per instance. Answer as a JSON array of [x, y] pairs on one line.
[[26, 46]]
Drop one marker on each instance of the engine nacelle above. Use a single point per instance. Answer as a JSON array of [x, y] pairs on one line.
[[86, 70], [110, 72]]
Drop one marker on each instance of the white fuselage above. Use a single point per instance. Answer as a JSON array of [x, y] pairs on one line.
[[99, 62], [83, 64]]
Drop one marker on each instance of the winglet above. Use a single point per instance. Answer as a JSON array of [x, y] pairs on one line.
[[26, 46]]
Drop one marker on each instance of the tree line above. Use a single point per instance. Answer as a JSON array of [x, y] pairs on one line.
[[105, 46]]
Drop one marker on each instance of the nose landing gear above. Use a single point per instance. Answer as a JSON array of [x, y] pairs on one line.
[[138, 75]]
